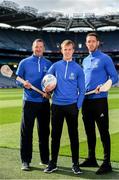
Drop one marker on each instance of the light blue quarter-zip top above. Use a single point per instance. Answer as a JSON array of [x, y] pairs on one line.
[[98, 68], [70, 83], [33, 69]]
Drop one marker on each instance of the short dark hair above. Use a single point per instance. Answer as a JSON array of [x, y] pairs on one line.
[[93, 34], [39, 40]]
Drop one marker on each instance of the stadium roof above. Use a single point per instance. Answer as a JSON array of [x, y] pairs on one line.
[[11, 14]]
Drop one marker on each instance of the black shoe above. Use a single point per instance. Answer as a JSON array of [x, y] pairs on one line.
[[89, 163], [51, 167], [76, 169], [104, 168], [25, 166]]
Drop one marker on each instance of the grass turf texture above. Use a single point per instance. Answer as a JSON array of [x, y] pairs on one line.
[[10, 168], [10, 115]]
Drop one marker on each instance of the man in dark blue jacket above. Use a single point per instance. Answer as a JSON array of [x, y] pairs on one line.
[[98, 69], [33, 69], [66, 101]]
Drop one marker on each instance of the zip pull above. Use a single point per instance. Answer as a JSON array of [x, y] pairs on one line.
[[39, 64], [66, 70]]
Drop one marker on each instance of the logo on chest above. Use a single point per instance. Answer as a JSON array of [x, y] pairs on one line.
[[72, 76], [95, 64], [44, 69]]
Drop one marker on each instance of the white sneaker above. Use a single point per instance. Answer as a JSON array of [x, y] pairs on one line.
[[25, 166], [43, 164]]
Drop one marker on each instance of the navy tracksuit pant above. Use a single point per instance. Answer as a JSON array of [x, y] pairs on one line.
[[40, 111], [96, 111], [70, 113]]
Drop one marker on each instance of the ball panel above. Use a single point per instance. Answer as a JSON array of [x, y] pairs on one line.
[[49, 83]]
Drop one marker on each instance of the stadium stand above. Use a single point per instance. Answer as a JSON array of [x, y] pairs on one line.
[[7, 82], [22, 40], [16, 42]]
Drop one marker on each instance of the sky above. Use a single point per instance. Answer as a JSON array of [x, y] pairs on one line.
[[69, 7]]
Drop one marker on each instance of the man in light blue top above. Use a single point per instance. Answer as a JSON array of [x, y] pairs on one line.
[[33, 69], [66, 101], [98, 69]]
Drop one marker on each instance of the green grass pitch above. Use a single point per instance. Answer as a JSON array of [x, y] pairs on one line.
[[10, 115]]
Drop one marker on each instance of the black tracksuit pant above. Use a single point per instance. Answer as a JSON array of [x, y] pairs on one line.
[[96, 110], [59, 112], [40, 111]]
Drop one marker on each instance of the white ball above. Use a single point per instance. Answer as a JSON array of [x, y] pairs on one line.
[[48, 83]]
